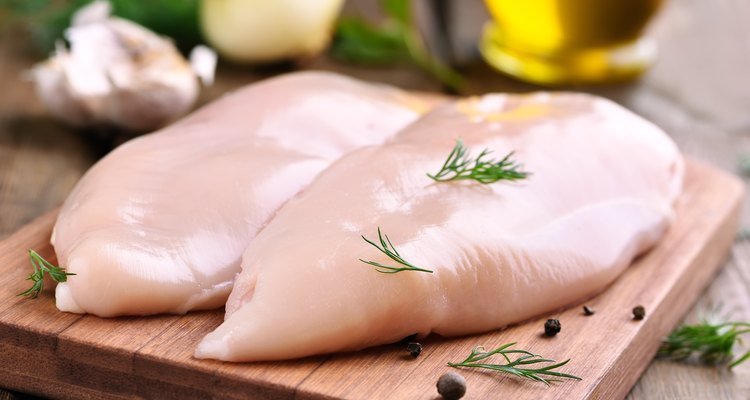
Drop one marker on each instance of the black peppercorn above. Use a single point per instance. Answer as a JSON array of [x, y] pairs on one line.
[[414, 348], [639, 313], [408, 339], [588, 310], [451, 386], [552, 327]]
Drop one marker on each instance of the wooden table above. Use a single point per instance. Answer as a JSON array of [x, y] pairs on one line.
[[699, 92]]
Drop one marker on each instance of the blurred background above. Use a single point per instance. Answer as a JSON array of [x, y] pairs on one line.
[[682, 64], [690, 77]]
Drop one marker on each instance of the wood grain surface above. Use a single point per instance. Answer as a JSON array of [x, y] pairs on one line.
[[698, 91], [152, 356]]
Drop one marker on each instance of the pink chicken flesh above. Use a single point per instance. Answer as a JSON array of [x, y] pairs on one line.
[[160, 224], [601, 191]]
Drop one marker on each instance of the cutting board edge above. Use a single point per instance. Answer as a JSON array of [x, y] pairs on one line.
[[722, 241]]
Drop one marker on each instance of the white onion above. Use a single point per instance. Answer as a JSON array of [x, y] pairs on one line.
[[263, 31]]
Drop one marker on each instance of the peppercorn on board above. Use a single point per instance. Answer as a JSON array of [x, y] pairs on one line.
[[61, 355]]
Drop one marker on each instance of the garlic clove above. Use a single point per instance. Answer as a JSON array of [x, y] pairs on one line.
[[117, 72], [53, 89], [203, 61], [96, 11]]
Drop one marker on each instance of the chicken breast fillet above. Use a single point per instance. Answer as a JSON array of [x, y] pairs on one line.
[[159, 225], [601, 189]]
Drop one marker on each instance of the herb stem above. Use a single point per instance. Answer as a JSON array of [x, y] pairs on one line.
[[41, 267], [545, 374], [420, 55], [713, 343], [387, 248], [396, 40], [460, 166]]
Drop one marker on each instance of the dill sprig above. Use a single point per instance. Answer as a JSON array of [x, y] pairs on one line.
[[712, 342], [516, 367], [387, 248], [42, 266], [459, 165]]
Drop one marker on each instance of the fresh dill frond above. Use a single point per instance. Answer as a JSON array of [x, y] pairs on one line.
[[460, 166], [712, 342], [42, 266], [544, 374], [387, 248]]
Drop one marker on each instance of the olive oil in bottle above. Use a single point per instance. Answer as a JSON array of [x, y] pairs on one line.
[[569, 41]]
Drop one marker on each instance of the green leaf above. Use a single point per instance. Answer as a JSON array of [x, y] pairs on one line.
[[46, 20], [740, 360], [24, 7], [394, 41], [177, 19], [399, 10], [358, 41]]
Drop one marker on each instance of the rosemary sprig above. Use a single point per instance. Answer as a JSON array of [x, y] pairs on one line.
[[712, 342], [42, 266], [459, 166], [387, 248], [516, 367]]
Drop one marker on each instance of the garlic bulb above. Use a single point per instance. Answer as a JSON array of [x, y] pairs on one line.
[[263, 31], [117, 72]]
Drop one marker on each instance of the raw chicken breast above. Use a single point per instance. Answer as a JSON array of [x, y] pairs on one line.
[[600, 192], [160, 224]]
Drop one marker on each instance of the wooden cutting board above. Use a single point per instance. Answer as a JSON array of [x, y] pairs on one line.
[[70, 356]]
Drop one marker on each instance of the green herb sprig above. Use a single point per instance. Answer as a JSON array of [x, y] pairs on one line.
[[42, 266], [516, 367], [460, 166], [712, 342], [396, 40], [387, 248]]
